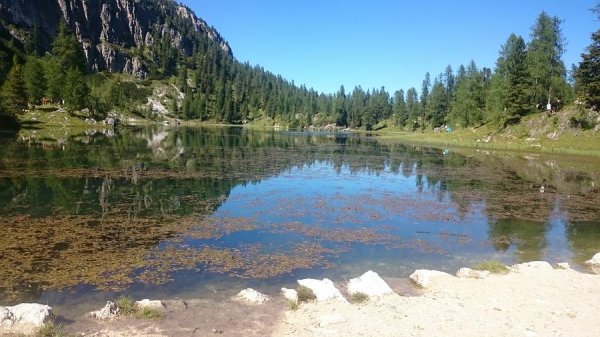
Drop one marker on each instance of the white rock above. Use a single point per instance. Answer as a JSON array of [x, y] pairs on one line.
[[290, 294], [424, 277], [24, 318], [324, 289], [595, 261], [543, 265], [151, 304], [252, 296], [563, 265], [470, 273], [109, 311], [370, 283]]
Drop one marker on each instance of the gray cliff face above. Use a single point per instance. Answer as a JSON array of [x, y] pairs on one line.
[[110, 30]]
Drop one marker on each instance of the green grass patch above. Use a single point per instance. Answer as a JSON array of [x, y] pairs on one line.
[[305, 294], [127, 306], [148, 313], [51, 329], [293, 305], [359, 298], [493, 266]]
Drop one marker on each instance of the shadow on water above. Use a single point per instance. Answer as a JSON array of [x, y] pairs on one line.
[[162, 210]]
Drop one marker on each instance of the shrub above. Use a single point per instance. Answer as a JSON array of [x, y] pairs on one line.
[[305, 294], [359, 297]]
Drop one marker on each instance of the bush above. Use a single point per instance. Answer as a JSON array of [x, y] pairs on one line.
[[51, 329], [305, 294], [359, 298], [126, 305]]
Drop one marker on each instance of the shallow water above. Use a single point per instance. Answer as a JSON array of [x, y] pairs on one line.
[[202, 213]]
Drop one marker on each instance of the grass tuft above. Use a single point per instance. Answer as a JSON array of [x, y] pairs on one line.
[[305, 294], [359, 297], [51, 329], [148, 313], [493, 266], [127, 306], [293, 305]]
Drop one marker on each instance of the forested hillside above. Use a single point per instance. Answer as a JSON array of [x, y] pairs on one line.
[[95, 71]]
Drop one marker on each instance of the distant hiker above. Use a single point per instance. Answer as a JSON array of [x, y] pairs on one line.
[[549, 109]]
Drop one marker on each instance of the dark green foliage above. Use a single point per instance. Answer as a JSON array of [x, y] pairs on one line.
[[35, 80], [588, 73], [76, 92], [67, 50], [14, 100], [305, 294], [545, 66]]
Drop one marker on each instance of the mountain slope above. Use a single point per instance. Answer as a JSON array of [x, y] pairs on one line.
[[116, 35]]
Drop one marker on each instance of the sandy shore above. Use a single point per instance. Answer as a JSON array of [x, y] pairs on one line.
[[530, 302]]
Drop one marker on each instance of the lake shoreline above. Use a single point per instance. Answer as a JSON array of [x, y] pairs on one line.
[[532, 299]]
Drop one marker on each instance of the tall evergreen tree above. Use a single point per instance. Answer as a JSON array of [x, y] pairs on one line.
[[544, 62], [76, 92], [588, 73], [35, 80], [13, 95], [67, 50], [399, 108]]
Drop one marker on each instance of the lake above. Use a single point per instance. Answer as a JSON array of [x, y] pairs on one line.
[[205, 212]]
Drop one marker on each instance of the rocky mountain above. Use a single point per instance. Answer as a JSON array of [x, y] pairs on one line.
[[116, 35]]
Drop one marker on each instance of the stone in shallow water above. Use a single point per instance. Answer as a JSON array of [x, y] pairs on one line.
[[370, 283], [424, 277], [324, 289], [290, 294], [563, 265], [109, 311], [470, 273], [595, 261], [252, 296]]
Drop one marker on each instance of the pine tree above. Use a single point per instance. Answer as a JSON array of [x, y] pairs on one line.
[[14, 98], [545, 67], [67, 50], [399, 108], [35, 80], [76, 92], [587, 75]]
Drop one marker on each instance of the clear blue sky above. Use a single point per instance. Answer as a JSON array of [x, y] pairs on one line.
[[391, 43]]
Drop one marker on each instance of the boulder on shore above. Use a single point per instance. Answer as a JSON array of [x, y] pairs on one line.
[[109, 311], [424, 277], [290, 294], [24, 318], [532, 265], [595, 261], [324, 290], [370, 283], [252, 296], [150, 304]]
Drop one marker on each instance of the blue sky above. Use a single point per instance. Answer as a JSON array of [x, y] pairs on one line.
[[375, 43]]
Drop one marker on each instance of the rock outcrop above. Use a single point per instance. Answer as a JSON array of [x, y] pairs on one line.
[[594, 261], [425, 278], [24, 318], [111, 30], [370, 283], [252, 296], [109, 311], [470, 273], [324, 289]]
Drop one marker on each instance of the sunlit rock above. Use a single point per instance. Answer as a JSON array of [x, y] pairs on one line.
[[539, 265], [563, 265], [425, 278], [109, 311], [470, 273], [324, 289], [595, 261], [290, 294], [151, 304], [370, 283], [252, 296], [24, 318]]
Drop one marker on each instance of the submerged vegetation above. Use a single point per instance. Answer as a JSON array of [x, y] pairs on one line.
[[493, 266]]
